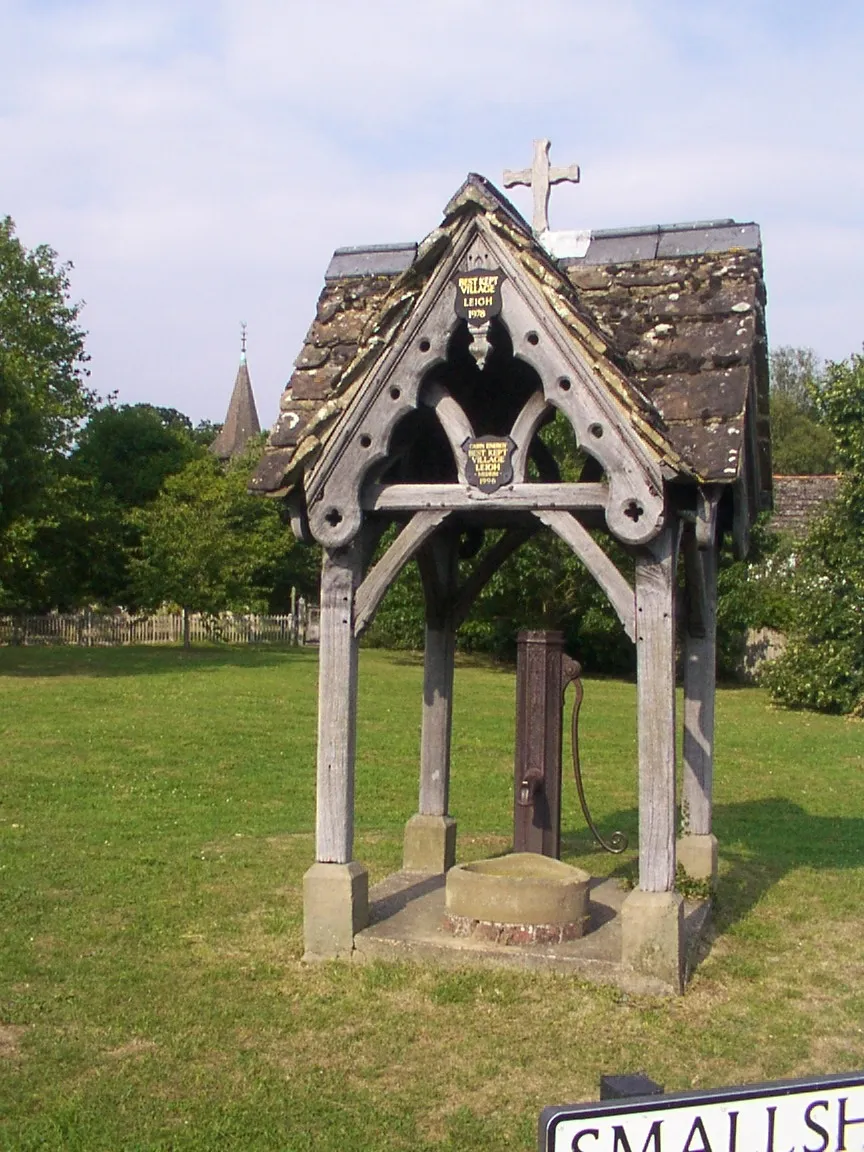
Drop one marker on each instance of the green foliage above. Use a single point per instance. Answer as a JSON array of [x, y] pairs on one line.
[[129, 451], [801, 444], [43, 399], [752, 593], [542, 586], [794, 374], [42, 393], [207, 545], [75, 548], [823, 665]]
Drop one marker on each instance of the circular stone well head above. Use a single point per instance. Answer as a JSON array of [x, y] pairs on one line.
[[523, 888]]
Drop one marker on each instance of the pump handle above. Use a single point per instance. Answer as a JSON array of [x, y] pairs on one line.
[[617, 842]]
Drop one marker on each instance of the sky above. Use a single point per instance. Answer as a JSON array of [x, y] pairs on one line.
[[199, 160]]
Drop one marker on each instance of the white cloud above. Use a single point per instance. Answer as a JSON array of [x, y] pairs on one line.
[[200, 161]]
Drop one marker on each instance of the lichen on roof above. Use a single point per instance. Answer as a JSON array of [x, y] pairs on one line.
[[671, 319]]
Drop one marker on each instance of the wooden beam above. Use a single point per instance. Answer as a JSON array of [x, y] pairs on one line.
[[700, 676], [501, 550], [522, 433], [655, 663], [695, 592], [707, 504], [337, 707], [457, 427], [459, 497], [372, 590], [619, 592]]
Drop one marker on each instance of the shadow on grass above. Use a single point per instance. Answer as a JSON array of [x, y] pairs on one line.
[[138, 660], [760, 841], [410, 658]]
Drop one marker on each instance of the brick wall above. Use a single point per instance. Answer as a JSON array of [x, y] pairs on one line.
[[797, 499]]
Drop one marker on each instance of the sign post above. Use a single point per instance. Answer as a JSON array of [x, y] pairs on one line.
[[824, 1114]]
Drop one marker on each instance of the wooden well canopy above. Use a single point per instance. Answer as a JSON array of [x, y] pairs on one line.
[[418, 399]]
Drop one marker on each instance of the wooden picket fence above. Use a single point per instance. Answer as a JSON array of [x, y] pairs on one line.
[[91, 629]]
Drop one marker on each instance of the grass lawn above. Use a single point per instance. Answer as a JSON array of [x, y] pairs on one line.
[[156, 818]]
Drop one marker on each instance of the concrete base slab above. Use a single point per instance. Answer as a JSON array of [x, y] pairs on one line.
[[430, 844], [697, 855], [335, 909], [407, 924], [652, 936]]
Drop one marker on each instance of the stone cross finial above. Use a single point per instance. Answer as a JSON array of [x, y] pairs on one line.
[[538, 178]]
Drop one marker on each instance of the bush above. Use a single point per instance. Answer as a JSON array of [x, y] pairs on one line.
[[823, 665], [752, 593]]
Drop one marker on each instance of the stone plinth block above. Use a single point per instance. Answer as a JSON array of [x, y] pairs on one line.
[[697, 855], [335, 909], [652, 936], [430, 844]]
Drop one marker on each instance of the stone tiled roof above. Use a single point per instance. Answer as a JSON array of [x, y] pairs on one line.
[[798, 500], [676, 311]]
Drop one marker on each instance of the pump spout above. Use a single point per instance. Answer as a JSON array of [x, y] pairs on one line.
[[528, 789]]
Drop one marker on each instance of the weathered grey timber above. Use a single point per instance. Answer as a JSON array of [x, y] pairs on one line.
[[439, 571], [619, 592], [337, 707], [420, 400], [655, 664], [697, 848], [379, 578]]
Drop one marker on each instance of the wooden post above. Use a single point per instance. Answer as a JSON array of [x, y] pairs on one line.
[[336, 888], [655, 662], [430, 836], [652, 916], [337, 706], [698, 848], [439, 570], [437, 717]]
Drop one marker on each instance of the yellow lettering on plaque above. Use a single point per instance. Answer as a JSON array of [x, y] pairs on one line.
[[489, 459], [478, 285]]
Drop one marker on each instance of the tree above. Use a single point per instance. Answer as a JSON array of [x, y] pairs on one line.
[[43, 397], [801, 445], [823, 665], [130, 450], [208, 546], [43, 400], [76, 551]]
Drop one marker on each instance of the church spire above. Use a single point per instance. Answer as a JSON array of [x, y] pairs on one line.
[[241, 422]]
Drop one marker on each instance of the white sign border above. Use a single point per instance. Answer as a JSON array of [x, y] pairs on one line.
[[552, 1117]]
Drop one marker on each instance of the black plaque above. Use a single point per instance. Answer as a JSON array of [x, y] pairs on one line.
[[478, 295], [490, 461]]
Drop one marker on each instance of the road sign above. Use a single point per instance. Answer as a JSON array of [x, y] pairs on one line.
[[825, 1114]]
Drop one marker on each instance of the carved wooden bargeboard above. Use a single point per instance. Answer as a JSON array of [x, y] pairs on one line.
[[420, 398]]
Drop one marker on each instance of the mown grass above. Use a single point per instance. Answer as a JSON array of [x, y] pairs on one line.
[[156, 815]]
